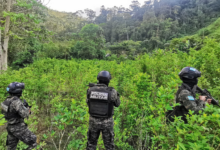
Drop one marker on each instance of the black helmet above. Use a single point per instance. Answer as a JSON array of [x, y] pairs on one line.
[[189, 73], [15, 88], [104, 76]]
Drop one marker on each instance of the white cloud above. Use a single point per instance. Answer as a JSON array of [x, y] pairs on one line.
[[74, 5]]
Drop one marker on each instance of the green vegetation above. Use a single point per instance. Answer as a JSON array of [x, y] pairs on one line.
[[19, 27], [56, 89], [91, 44], [2, 120], [57, 54], [157, 21]]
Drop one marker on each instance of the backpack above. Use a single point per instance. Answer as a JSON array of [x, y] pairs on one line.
[[178, 110]]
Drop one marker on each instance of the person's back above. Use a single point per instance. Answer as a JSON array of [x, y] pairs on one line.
[[101, 101]]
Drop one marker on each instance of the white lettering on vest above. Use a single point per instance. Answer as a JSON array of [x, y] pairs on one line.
[[99, 95]]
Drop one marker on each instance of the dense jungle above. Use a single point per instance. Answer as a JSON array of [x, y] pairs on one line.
[[144, 47]]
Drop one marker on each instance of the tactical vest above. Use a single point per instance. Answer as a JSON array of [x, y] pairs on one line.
[[5, 106], [99, 101]]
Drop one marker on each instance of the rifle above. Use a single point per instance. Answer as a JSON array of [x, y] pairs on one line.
[[205, 92], [26, 105], [91, 84]]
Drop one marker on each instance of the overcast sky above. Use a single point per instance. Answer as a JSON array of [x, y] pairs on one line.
[[74, 5]]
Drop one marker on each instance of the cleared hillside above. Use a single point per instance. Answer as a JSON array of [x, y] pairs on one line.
[[197, 40]]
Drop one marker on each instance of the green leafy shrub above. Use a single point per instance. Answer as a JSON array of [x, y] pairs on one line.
[[57, 91], [2, 120]]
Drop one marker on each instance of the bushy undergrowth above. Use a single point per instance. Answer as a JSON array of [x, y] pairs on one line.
[[57, 91]]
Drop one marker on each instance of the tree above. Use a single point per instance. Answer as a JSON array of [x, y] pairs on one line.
[[102, 18], [4, 46], [91, 44], [90, 15], [21, 21], [157, 21]]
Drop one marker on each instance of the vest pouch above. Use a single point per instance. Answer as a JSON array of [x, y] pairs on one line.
[[98, 108]]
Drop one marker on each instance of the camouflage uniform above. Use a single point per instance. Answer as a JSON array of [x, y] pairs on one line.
[[186, 97], [104, 125], [17, 129]]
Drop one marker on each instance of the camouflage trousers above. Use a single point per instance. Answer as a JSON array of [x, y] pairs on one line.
[[18, 132], [97, 125]]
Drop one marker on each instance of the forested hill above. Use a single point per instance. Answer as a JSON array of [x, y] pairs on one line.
[[156, 21], [124, 33]]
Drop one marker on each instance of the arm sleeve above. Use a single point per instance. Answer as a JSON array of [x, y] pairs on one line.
[[190, 102], [20, 108], [115, 97]]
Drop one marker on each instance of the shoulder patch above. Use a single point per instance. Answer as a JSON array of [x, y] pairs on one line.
[[191, 98]]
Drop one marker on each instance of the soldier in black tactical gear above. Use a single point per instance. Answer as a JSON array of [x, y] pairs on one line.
[[15, 112], [186, 95], [101, 100]]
